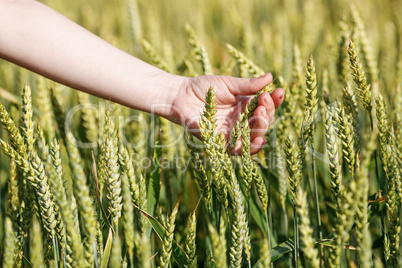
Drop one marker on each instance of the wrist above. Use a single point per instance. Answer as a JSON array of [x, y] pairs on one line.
[[168, 88]]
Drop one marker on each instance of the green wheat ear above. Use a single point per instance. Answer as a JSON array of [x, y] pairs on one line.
[[198, 50], [27, 121], [214, 147], [168, 239], [113, 176], [201, 177], [73, 239], [156, 59], [335, 167], [16, 138], [362, 188], [128, 214], [9, 244], [346, 135], [311, 106], [190, 240], [239, 225], [83, 196], [359, 76], [293, 164]]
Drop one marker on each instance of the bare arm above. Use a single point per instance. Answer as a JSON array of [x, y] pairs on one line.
[[38, 38]]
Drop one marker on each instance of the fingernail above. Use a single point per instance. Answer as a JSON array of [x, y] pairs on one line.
[[263, 112]]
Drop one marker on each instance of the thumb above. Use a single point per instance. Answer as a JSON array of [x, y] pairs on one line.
[[249, 86]]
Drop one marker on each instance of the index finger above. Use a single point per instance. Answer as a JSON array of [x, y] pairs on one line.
[[249, 86]]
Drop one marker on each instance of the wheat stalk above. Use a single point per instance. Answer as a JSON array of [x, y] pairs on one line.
[[362, 234], [218, 245], [306, 232]]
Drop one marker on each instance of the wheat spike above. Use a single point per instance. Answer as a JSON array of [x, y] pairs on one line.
[[311, 106], [362, 177], [346, 135], [198, 50], [293, 165], [190, 241], [82, 194], [73, 246], [214, 146], [113, 179], [166, 252], [239, 225], [200, 175], [155, 58], [335, 167], [128, 214], [8, 244], [359, 76]]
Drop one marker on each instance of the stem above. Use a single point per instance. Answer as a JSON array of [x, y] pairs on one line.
[[317, 203], [55, 251], [131, 261], [268, 235], [227, 218], [381, 183], [295, 234], [95, 252], [248, 223], [285, 219]]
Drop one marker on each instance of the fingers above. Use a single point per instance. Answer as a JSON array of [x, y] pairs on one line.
[[263, 117], [249, 86], [278, 96], [256, 144], [260, 122]]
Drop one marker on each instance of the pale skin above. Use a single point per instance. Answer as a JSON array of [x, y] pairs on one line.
[[42, 40]]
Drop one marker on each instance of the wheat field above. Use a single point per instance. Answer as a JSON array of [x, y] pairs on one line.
[[88, 183]]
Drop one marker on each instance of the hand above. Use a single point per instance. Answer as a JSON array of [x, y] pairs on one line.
[[232, 96]]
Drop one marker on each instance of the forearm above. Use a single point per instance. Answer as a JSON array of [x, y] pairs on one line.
[[42, 40]]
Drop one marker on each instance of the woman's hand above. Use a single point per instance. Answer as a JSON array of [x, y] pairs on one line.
[[232, 96], [48, 43]]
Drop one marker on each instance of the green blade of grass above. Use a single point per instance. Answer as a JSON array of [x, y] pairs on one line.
[[329, 243], [154, 183], [107, 250], [178, 253], [278, 251]]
